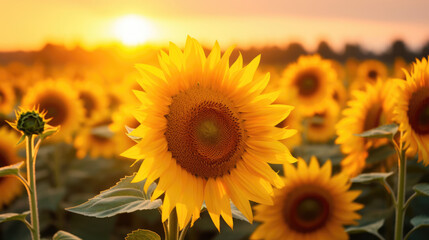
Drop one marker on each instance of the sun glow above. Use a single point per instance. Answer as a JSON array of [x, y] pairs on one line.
[[133, 30]]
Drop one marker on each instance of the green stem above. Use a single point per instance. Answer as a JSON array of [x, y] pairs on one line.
[[399, 220], [408, 202], [184, 231], [173, 227], [32, 196]]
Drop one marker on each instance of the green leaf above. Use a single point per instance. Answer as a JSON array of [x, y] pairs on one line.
[[420, 221], [48, 133], [62, 235], [11, 169], [6, 217], [385, 131], [124, 197], [369, 228], [21, 139], [422, 189], [371, 177], [142, 234]]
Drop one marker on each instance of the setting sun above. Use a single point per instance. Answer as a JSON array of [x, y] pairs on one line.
[[133, 30]]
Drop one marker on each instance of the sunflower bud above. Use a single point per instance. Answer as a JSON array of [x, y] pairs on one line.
[[30, 123]]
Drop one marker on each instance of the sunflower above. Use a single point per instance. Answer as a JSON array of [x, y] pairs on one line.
[[339, 94], [208, 133], [97, 140], [369, 71], [10, 187], [122, 119], [368, 109], [412, 109], [312, 205], [94, 99], [321, 127], [7, 98], [62, 104], [311, 78]]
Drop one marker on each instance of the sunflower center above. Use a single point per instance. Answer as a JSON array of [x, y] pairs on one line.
[[307, 84], [56, 109], [2, 96], [372, 74], [88, 103], [418, 111], [373, 117], [204, 132], [307, 210]]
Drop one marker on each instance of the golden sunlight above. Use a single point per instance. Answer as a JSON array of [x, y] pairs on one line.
[[133, 30]]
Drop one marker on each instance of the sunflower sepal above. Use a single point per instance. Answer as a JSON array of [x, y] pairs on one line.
[[124, 197], [234, 211], [129, 134], [384, 131], [63, 235], [142, 234], [371, 228]]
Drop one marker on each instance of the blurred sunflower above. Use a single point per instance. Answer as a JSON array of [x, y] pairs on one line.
[[97, 140], [312, 205], [369, 71], [93, 98], [321, 127], [122, 118], [412, 109], [60, 100], [208, 134], [339, 93], [10, 187], [7, 98], [311, 78], [368, 109]]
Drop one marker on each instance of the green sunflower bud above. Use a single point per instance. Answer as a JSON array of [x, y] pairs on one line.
[[31, 123]]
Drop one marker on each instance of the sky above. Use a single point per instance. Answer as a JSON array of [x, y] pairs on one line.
[[374, 24]]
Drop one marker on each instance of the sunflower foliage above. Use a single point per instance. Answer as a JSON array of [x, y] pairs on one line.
[[422, 189]]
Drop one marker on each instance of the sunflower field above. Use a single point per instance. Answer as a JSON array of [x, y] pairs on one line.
[[213, 142]]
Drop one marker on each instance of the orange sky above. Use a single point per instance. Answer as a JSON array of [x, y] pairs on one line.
[[29, 24]]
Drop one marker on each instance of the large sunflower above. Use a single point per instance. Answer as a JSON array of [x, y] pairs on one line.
[[10, 187], [412, 109], [368, 109], [62, 104], [311, 78], [312, 205], [208, 133], [7, 98]]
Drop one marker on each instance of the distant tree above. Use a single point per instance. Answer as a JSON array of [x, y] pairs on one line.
[[326, 51], [353, 51]]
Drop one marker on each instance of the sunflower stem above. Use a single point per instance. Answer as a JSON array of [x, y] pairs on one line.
[[173, 227], [32, 193], [400, 210], [184, 231]]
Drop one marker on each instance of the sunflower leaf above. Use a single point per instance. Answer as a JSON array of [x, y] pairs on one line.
[[142, 234], [6, 217], [371, 177], [124, 197], [369, 228], [422, 189], [418, 222], [62, 235], [385, 131], [11, 169]]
